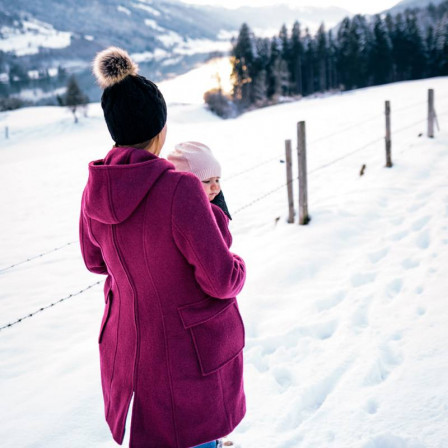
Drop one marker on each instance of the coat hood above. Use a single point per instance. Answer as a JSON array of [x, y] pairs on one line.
[[118, 183]]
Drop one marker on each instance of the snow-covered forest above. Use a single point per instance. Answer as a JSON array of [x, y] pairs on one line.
[[361, 51]]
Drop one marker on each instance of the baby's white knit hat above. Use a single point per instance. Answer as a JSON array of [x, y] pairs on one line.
[[195, 158]]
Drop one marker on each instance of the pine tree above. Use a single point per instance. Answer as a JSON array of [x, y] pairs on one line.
[[309, 65], [415, 48], [399, 49], [274, 81], [261, 63], [333, 79], [346, 61], [243, 65], [361, 38], [322, 57], [74, 97], [381, 53], [431, 52], [285, 57], [296, 59], [443, 42]]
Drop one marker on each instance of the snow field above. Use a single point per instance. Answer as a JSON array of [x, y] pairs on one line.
[[345, 318]]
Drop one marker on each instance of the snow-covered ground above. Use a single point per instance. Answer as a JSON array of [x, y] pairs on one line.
[[346, 318], [31, 37]]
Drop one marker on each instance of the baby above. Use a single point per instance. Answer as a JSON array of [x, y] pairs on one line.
[[198, 159]]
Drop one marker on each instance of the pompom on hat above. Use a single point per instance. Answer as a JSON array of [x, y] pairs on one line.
[[133, 106], [195, 158]]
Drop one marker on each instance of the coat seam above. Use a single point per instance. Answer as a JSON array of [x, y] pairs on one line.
[[131, 284], [223, 400], [168, 359], [118, 329], [89, 224], [109, 196]]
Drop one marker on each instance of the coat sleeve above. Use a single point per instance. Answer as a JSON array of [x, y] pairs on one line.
[[219, 272], [91, 252], [223, 224]]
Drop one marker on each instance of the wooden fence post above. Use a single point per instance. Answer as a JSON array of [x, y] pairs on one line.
[[288, 151], [6, 132], [303, 188], [388, 137], [431, 113]]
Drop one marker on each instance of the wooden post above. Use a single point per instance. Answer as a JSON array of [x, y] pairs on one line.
[[288, 151], [303, 188], [431, 113], [6, 132], [388, 137]]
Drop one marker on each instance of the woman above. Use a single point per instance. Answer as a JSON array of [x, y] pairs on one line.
[[171, 335]]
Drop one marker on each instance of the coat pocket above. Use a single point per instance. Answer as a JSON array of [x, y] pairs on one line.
[[105, 315], [217, 331]]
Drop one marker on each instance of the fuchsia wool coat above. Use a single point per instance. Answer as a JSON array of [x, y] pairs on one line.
[[171, 333]]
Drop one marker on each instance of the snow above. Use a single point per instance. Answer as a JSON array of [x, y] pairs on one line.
[[146, 56], [198, 80], [36, 94], [345, 318], [124, 10], [34, 35], [146, 8], [153, 24]]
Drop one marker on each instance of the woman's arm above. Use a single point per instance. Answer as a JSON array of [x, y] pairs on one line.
[[90, 250], [219, 272], [223, 223]]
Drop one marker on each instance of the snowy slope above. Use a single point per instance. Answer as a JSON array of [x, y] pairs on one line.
[[345, 318]]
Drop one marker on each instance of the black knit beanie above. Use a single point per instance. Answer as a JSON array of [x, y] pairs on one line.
[[133, 106]]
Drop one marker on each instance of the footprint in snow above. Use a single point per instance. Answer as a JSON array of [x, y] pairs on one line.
[[397, 221], [330, 302], [394, 288], [320, 330], [311, 399], [423, 195], [362, 278], [421, 311], [378, 255], [419, 290], [423, 240], [360, 319], [391, 441], [416, 206], [283, 377], [420, 223], [399, 235], [409, 263], [371, 406], [386, 362]]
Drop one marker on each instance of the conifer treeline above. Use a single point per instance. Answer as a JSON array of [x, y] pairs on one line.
[[361, 53]]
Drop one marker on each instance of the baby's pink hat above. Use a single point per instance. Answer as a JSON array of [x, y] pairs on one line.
[[195, 158]]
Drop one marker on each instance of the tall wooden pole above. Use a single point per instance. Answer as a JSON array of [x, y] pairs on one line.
[[388, 137], [303, 188], [431, 113], [288, 151]]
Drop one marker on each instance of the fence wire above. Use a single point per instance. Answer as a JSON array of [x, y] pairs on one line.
[[27, 316], [249, 204], [37, 256]]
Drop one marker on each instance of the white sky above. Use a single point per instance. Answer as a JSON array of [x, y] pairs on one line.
[[354, 6]]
